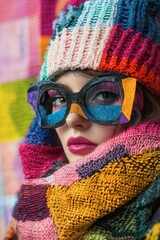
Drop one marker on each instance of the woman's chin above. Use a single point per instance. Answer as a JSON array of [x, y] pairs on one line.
[[74, 155]]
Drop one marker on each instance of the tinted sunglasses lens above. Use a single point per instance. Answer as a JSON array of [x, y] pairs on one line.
[[103, 101], [52, 107]]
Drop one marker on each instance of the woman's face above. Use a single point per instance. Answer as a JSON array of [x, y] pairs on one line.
[[78, 135]]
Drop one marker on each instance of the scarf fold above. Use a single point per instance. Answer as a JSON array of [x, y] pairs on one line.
[[112, 193]]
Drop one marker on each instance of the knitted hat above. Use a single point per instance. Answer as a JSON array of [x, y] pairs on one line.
[[117, 35]]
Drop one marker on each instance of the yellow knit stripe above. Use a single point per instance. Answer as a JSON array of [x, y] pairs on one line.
[[75, 208], [11, 230], [154, 232]]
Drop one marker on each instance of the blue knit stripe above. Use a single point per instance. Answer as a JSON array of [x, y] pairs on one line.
[[90, 12], [98, 11], [40, 136], [110, 12], [67, 19], [146, 22]]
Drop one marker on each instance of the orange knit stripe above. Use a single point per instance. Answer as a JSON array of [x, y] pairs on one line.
[[124, 65], [43, 45], [60, 5], [112, 187], [11, 230]]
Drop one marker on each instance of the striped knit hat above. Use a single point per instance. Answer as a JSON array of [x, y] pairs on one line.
[[117, 35]]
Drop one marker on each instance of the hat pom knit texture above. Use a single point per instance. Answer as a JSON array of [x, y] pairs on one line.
[[122, 36]]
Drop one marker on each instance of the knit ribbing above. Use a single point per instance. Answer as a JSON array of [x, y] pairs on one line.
[[120, 171], [122, 36], [113, 186], [74, 49], [136, 139], [34, 167], [32, 204]]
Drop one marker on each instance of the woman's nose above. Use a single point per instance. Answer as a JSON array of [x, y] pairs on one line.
[[76, 117], [74, 120]]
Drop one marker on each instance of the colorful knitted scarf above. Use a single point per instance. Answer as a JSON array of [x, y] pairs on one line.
[[112, 193]]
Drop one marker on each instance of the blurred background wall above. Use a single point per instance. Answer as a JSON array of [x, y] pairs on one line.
[[25, 29]]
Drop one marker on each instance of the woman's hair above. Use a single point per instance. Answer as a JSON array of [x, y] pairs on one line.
[[147, 108], [151, 106]]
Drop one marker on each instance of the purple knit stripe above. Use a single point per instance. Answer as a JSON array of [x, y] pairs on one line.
[[47, 16], [91, 167], [154, 56], [133, 47], [32, 99], [112, 41], [31, 204]]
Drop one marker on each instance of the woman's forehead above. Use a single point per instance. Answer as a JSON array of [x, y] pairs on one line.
[[74, 80]]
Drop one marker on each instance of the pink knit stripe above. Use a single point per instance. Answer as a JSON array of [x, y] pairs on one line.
[[154, 58], [138, 138], [135, 139], [48, 10], [75, 2], [81, 47], [34, 182], [127, 44], [37, 160], [66, 175], [128, 52], [37, 230]]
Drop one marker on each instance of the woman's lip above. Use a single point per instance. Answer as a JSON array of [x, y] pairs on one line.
[[80, 145], [79, 140]]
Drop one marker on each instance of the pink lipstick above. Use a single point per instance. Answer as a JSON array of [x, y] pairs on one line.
[[80, 145]]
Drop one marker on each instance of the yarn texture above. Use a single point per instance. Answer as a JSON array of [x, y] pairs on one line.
[[122, 36], [112, 193]]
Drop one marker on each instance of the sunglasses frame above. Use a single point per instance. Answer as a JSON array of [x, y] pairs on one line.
[[36, 91]]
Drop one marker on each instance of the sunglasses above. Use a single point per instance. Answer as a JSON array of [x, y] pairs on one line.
[[107, 100]]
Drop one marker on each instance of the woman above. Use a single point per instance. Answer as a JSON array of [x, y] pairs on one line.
[[94, 173]]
